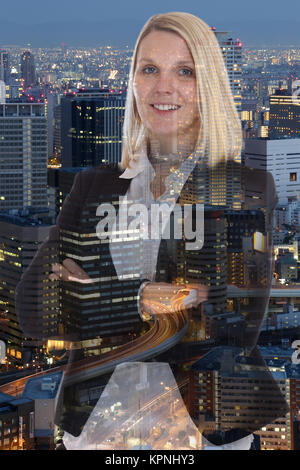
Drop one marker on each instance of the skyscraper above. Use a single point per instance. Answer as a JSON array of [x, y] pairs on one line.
[[232, 53], [4, 66], [23, 156], [284, 115], [209, 265], [27, 69], [92, 310], [91, 128], [20, 237], [57, 133], [282, 159]]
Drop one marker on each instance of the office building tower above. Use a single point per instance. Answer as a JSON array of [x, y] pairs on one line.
[[23, 156], [27, 69], [240, 224], [91, 128], [284, 118], [2, 92], [232, 53], [209, 265], [282, 159], [217, 186], [20, 237], [106, 309], [4, 66], [50, 103], [60, 182], [57, 134]]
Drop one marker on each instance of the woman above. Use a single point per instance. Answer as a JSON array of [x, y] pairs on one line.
[[182, 144]]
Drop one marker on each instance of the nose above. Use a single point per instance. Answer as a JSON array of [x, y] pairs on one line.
[[164, 83]]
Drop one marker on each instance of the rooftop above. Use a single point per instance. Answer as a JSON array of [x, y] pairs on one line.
[[39, 388]]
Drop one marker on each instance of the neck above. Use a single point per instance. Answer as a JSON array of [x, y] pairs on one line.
[[179, 146]]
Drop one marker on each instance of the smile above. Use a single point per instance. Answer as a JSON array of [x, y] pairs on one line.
[[165, 107]]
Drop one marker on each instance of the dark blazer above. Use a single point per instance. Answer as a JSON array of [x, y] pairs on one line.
[[76, 224]]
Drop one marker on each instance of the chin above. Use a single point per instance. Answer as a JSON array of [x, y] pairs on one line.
[[164, 131]]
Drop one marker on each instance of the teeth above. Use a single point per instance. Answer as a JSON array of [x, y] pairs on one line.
[[165, 107]]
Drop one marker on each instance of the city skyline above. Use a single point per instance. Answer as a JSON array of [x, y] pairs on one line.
[[74, 304]]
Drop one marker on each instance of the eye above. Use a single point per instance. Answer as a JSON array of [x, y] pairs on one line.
[[149, 69], [186, 72]]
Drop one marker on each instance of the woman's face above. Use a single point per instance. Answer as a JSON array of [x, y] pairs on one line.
[[165, 86]]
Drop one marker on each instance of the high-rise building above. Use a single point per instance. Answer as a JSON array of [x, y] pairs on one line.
[[2, 92], [4, 66], [50, 103], [282, 159], [91, 128], [28, 69], [209, 265], [23, 156], [105, 309], [217, 186], [57, 134], [21, 236], [60, 182], [284, 115], [240, 224], [232, 53]]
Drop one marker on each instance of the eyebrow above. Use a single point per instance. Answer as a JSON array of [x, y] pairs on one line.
[[180, 62]]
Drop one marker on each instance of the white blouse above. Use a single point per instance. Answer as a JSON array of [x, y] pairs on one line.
[[134, 252]]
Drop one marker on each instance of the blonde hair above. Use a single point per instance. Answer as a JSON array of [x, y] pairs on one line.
[[220, 134]]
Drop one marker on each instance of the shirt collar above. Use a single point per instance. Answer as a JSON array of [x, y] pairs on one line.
[[136, 166], [141, 163]]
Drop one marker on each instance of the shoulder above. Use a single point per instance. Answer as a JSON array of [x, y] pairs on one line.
[[105, 170], [103, 178]]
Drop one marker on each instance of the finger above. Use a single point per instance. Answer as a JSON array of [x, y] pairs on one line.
[[202, 292], [191, 298], [61, 272], [76, 270], [73, 267], [54, 277], [81, 280]]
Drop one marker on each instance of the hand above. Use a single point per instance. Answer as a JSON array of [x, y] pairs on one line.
[[69, 271], [160, 297], [189, 296]]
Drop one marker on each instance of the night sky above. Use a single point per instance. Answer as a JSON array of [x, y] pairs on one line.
[[90, 22]]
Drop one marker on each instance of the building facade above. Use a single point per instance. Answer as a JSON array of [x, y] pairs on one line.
[[91, 128], [23, 156], [232, 53], [20, 238], [281, 158], [284, 115], [27, 69]]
